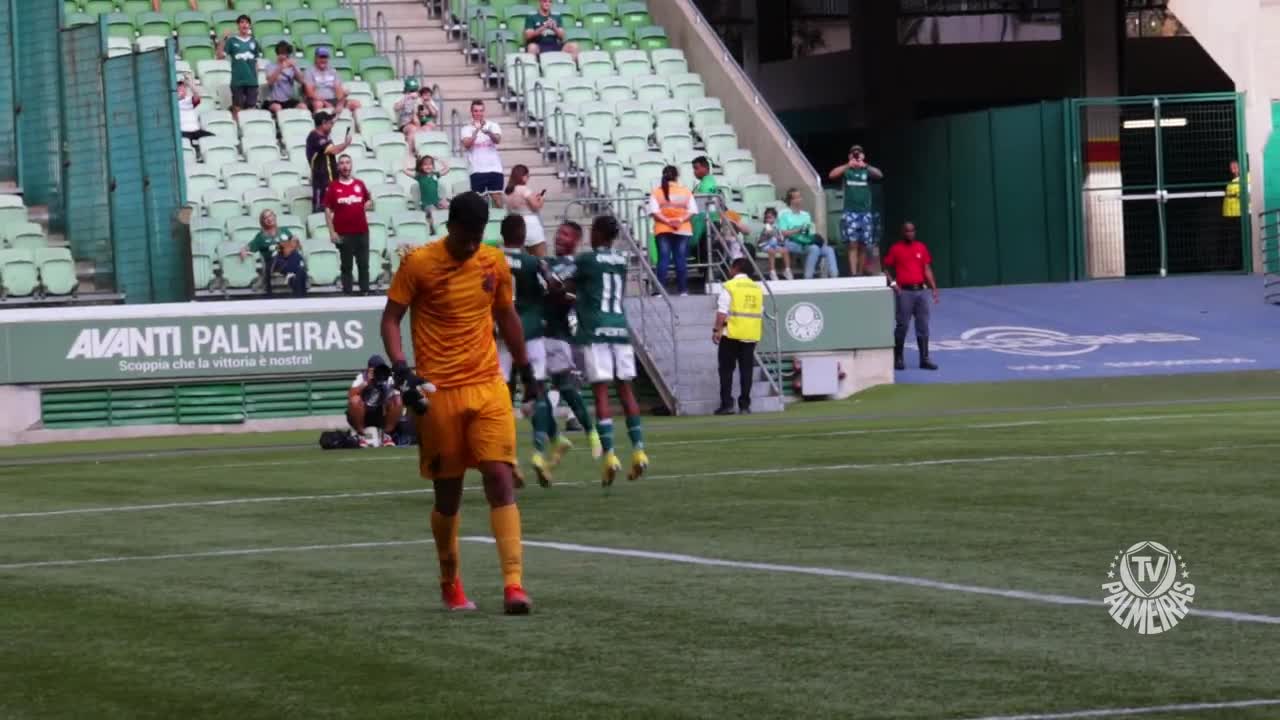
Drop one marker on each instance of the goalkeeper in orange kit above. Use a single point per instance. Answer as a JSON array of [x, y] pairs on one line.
[[456, 290]]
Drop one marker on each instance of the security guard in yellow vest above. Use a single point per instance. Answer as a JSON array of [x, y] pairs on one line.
[[739, 323], [1231, 198]]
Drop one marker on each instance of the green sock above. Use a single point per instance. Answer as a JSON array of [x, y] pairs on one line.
[[544, 423], [574, 400], [606, 434], [635, 432]]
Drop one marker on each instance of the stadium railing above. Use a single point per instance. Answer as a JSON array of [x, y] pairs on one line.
[[1269, 221]]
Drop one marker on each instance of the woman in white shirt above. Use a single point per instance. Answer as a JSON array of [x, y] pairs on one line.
[[521, 200]]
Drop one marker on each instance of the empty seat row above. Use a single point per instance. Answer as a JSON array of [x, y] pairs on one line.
[[41, 271]]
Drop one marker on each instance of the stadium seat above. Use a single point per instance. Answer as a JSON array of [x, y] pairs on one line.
[[201, 179], [76, 19], [196, 49], [224, 21], [373, 121], [24, 236], [267, 22], [706, 112], [596, 15], [298, 118], [647, 168], [685, 86], [629, 141], [757, 191], [434, 143], [241, 230], [613, 90], [192, 23], [323, 262], [371, 175], [584, 37], [631, 63], [344, 68], [595, 63], [736, 164], [286, 6], [390, 149], [379, 231], [147, 43], [634, 114], [117, 46], [557, 65], [671, 115], [260, 152], [221, 124], [209, 7], [309, 43], [293, 223], [153, 23], [206, 236], [202, 272], [322, 5], [219, 151], [18, 274], [213, 72], [676, 146], [385, 90], [668, 62], [562, 125], [411, 228], [221, 205], [339, 22], [257, 124], [315, 223], [303, 22], [613, 39], [718, 139], [260, 199], [361, 91], [390, 199], [480, 20], [133, 8], [493, 230], [297, 201], [376, 69], [651, 38], [171, 8], [250, 6], [521, 70], [358, 46], [650, 88], [237, 272], [633, 16], [239, 177]]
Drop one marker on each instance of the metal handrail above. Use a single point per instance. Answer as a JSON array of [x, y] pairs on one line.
[[769, 359], [381, 29], [362, 10], [398, 51], [453, 128], [645, 332]]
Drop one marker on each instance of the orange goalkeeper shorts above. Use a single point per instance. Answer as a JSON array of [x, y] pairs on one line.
[[465, 426]]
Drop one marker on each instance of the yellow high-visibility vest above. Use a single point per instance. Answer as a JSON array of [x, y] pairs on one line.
[[746, 310], [1231, 203]]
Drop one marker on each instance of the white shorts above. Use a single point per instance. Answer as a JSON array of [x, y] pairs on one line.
[[606, 362], [559, 356], [533, 232], [537, 351]]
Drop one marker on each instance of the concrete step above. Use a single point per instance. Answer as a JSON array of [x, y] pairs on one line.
[[708, 407]]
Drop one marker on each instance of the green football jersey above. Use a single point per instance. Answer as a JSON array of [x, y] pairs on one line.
[[600, 278], [857, 190], [243, 54], [530, 289], [559, 311]]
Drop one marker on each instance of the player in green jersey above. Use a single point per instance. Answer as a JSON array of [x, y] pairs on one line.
[[529, 276], [559, 340], [599, 281]]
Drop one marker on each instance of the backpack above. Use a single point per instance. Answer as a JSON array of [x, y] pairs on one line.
[[338, 440]]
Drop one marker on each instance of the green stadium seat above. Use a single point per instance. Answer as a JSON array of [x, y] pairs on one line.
[[339, 23], [631, 63], [671, 115], [596, 119], [376, 69], [514, 16], [239, 177], [493, 230], [613, 39], [411, 228], [390, 149], [171, 8], [24, 236], [315, 222], [583, 37], [757, 191], [647, 167], [434, 143], [634, 114], [706, 112], [297, 200], [718, 139], [686, 86], [260, 151], [362, 91], [257, 123], [268, 44], [344, 68], [557, 65], [147, 43], [280, 175], [77, 19], [222, 205], [735, 165], [196, 49], [650, 88], [202, 273], [652, 38], [209, 7], [237, 272], [385, 90], [94, 8], [265, 23], [250, 6], [568, 13], [310, 43], [634, 15], [242, 230], [596, 15], [134, 8], [595, 63], [286, 6], [214, 72], [372, 175], [206, 235], [201, 179], [222, 125], [676, 145], [521, 69], [457, 176], [322, 5], [304, 22], [121, 26], [18, 274], [575, 91], [563, 125], [613, 89], [629, 141], [481, 20], [293, 223], [117, 46], [323, 262], [499, 44], [668, 61], [390, 199], [224, 21], [374, 121], [69, 8]]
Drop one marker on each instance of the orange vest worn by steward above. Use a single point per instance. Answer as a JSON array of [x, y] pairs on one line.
[[672, 209]]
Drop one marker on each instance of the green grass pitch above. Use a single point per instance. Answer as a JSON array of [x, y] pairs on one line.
[[844, 560]]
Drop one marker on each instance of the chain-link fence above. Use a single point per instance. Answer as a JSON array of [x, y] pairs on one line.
[[1163, 185]]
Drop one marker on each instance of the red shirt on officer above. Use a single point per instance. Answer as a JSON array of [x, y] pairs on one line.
[[909, 258]]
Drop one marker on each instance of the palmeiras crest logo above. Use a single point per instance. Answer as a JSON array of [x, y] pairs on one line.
[[1147, 588]]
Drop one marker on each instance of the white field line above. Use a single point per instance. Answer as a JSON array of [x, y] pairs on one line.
[[679, 476], [1131, 712], [926, 583], [404, 457]]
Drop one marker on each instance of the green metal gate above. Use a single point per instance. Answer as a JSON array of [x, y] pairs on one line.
[[1153, 174]]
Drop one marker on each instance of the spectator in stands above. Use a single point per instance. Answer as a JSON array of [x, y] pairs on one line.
[[428, 110], [428, 178], [672, 207], [374, 402], [856, 223], [347, 202], [796, 227], [324, 87], [1231, 207], [244, 51], [480, 140], [909, 268], [408, 111], [280, 252], [771, 242], [322, 158], [522, 201], [732, 229], [155, 5], [188, 119], [284, 79], [543, 32], [706, 186]]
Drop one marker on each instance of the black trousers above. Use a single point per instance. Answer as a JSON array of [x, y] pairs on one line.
[[742, 355], [354, 247]]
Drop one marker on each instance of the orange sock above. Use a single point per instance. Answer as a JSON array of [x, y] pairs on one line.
[[445, 530], [505, 522]]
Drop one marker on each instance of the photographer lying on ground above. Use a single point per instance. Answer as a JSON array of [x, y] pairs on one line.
[[373, 401]]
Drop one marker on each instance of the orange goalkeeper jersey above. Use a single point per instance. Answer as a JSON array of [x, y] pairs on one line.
[[451, 312]]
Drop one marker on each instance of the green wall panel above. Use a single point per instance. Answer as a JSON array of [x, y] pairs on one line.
[[161, 163], [39, 72], [1020, 194], [8, 72], [128, 198], [85, 177]]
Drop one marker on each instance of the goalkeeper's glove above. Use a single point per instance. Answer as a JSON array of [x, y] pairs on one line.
[[413, 389]]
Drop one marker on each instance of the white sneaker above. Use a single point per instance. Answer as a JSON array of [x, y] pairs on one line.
[[787, 274], [773, 275], [684, 294]]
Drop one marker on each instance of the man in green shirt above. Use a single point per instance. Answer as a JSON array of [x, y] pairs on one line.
[[559, 340], [599, 280], [244, 51], [706, 186], [280, 252], [856, 223], [544, 33]]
